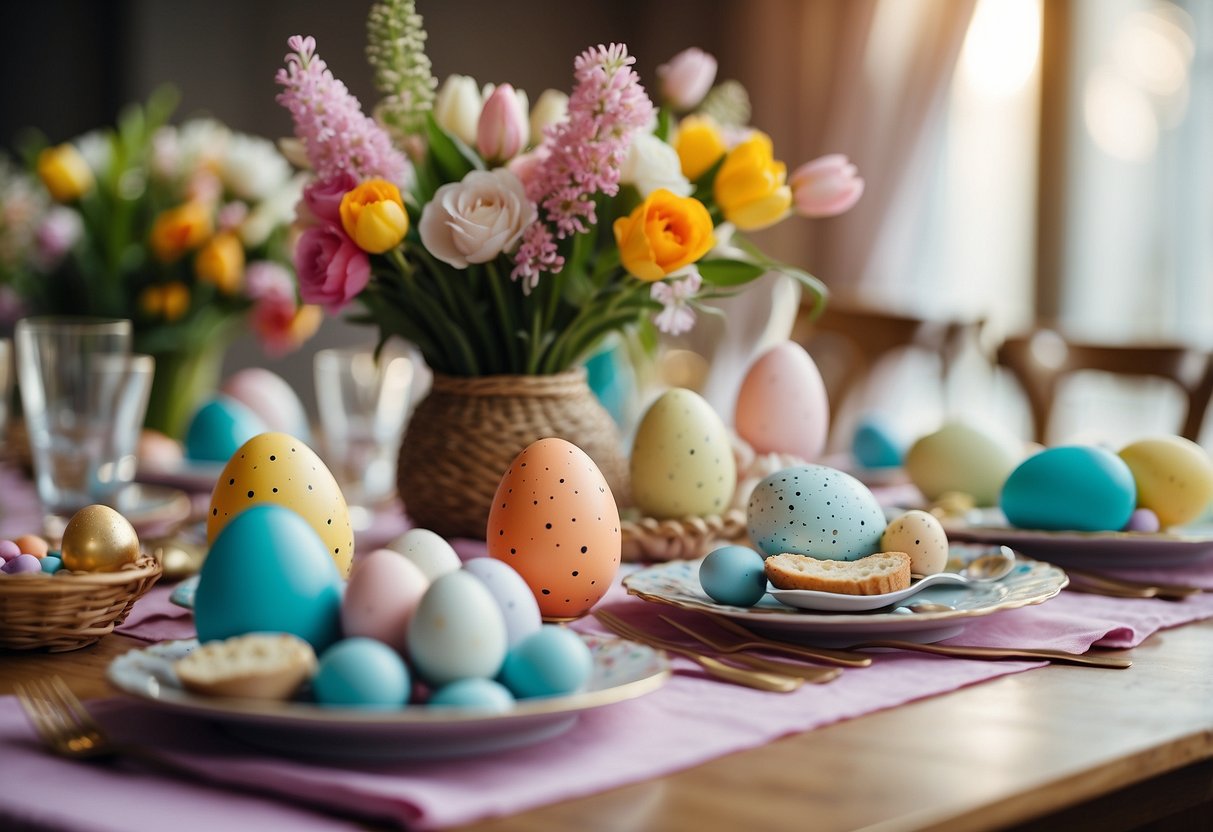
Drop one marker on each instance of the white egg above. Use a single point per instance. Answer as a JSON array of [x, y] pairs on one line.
[[921, 536], [428, 551], [458, 631], [518, 605]]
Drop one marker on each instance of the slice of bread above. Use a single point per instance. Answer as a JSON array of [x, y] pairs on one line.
[[253, 666], [873, 575]]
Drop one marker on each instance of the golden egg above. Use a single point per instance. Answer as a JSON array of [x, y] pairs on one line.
[[98, 539]]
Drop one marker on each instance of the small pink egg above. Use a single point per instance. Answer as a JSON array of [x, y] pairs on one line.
[[384, 590], [270, 397], [782, 406], [159, 450], [31, 544]]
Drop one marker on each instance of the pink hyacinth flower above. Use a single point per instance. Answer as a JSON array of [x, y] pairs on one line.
[[826, 187], [502, 130], [332, 269]]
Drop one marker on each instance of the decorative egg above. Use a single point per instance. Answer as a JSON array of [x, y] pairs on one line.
[[1174, 477], [278, 468], [682, 462], [9, 549], [268, 395], [159, 450], [474, 694], [51, 564], [551, 662], [428, 551], [98, 539], [921, 536], [361, 673], [219, 428], [382, 595], [961, 458], [554, 520], [782, 406], [815, 510], [1141, 520], [32, 544], [876, 444], [22, 564], [457, 631], [733, 575], [1070, 487], [269, 571], [518, 606]]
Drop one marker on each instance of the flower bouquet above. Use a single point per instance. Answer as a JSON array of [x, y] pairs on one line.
[[183, 230], [507, 247]]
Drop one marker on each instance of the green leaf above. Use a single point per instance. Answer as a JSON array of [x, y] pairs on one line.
[[453, 158], [662, 130], [706, 182], [723, 272]]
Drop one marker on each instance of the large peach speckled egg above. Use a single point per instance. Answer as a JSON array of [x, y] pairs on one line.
[[782, 406], [555, 521]]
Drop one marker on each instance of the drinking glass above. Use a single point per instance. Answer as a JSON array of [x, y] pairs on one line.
[[363, 404], [6, 391], [84, 396]]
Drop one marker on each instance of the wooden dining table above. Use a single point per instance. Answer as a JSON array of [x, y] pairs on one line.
[[1054, 748]]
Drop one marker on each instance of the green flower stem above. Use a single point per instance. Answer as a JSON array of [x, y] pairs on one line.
[[509, 329], [536, 346], [452, 314]]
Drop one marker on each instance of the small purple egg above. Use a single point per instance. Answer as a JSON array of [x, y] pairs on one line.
[[9, 550], [1143, 520], [22, 563]]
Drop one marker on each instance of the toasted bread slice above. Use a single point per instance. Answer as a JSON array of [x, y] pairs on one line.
[[873, 575]]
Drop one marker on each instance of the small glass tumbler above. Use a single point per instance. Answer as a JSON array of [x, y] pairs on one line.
[[363, 405], [84, 396]]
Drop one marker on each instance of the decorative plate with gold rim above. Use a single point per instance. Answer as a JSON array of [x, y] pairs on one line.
[[1031, 582], [622, 670]]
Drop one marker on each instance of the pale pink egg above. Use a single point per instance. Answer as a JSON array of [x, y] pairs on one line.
[[782, 406], [159, 450], [270, 397], [384, 590]]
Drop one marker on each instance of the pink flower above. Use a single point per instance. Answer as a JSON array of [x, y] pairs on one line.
[[323, 197], [502, 130], [826, 187], [265, 278], [232, 215], [58, 232], [675, 295], [332, 269], [686, 79], [277, 319]]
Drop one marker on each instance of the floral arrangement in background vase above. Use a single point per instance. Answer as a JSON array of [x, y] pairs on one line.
[[504, 240], [183, 229]]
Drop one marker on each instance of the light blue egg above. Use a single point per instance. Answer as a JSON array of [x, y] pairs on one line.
[[51, 564], [551, 662], [219, 428], [474, 694], [269, 571], [733, 575], [815, 510], [1072, 488], [876, 445], [361, 673]]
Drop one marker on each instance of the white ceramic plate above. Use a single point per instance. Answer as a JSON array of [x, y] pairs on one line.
[[809, 599], [1030, 582], [1120, 550], [622, 670], [187, 474]]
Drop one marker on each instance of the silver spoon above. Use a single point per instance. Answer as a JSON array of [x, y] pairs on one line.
[[987, 567]]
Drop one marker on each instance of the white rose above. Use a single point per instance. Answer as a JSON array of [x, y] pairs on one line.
[[551, 108], [252, 168], [653, 164], [474, 220], [457, 107]]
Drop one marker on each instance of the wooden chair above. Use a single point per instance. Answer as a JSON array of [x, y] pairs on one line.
[[1041, 360]]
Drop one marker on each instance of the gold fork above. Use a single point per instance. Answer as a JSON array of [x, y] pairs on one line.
[[813, 654]]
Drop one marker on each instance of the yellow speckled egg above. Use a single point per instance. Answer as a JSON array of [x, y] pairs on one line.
[[1174, 477], [682, 462], [278, 468]]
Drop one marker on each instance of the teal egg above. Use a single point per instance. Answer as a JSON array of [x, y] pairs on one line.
[[733, 575], [361, 673], [475, 694], [876, 445], [551, 662], [52, 564], [269, 571], [219, 428], [1071, 488]]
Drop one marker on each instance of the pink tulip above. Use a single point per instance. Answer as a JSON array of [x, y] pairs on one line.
[[826, 187], [502, 130], [323, 197], [686, 79], [332, 269]]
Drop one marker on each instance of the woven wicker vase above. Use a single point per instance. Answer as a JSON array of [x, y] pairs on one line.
[[463, 436]]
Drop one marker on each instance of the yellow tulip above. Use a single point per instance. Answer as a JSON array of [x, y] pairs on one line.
[[170, 301], [663, 234], [699, 145], [64, 173], [221, 262], [751, 187], [373, 215], [179, 230]]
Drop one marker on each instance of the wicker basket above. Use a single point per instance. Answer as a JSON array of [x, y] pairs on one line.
[[463, 436], [70, 610], [649, 539]]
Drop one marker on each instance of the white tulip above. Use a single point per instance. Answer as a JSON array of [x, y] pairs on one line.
[[653, 164], [457, 107]]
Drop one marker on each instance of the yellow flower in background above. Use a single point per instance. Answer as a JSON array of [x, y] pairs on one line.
[[663, 234], [179, 230], [221, 262], [169, 301], [699, 145], [373, 215], [751, 186], [64, 173]]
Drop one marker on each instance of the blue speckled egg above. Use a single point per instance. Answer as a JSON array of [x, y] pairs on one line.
[[219, 428], [551, 662], [361, 673], [1070, 487], [474, 694], [733, 575], [876, 445], [815, 510]]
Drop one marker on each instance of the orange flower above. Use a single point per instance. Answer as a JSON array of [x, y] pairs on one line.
[[221, 262], [179, 230], [663, 234]]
